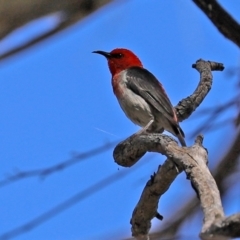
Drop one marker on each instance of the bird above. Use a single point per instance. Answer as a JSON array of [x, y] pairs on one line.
[[140, 95]]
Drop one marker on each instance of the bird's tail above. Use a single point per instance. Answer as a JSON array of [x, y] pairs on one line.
[[180, 135]]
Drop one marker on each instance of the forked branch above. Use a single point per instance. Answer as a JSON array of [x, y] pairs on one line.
[[193, 160]]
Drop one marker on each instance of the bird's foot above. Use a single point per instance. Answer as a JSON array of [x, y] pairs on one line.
[[144, 129]]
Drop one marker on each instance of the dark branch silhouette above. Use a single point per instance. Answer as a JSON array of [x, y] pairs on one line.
[[222, 20], [212, 113], [16, 14], [44, 172], [89, 191]]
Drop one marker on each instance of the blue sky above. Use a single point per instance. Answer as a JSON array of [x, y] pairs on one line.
[[56, 101]]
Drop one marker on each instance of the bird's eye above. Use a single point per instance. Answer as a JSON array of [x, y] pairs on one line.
[[117, 55]]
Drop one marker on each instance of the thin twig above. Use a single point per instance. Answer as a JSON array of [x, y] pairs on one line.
[[44, 172]]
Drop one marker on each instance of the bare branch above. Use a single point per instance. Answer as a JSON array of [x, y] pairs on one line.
[[171, 227], [193, 160], [212, 114], [100, 185], [229, 227], [188, 158], [227, 165], [146, 208], [127, 153], [145, 211], [229, 162], [34, 41], [233, 102], [44, 172], [188, 105], [211, 125], [14, 14], [201, 178], [221, 19]]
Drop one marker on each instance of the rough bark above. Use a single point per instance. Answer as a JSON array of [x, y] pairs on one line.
[[193, 160], [226, 167]]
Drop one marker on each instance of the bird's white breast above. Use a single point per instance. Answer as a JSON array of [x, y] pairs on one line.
[[133, 105]]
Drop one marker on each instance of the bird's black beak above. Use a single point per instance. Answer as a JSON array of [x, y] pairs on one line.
[[105, 54]]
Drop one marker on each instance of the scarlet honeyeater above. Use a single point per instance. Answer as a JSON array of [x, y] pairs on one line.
[[140, 95]]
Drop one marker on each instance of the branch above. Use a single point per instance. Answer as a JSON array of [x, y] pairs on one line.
[[171, 227], [132, 149], [223, 21], [127, 156], [90, 190], [145, 211], [188, 105], [212, 114], [229, 162], [225, 168], [193, 160], [205, 185], [215, 224], [229, 227], [44, 172], [15, 14], [84, 194]]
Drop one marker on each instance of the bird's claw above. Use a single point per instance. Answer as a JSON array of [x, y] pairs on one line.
[[144, 129]]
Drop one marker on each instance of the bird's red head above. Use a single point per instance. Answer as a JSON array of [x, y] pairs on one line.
[[120, 59]]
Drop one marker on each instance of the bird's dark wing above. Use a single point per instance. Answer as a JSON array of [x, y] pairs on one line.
[[145, 84]]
